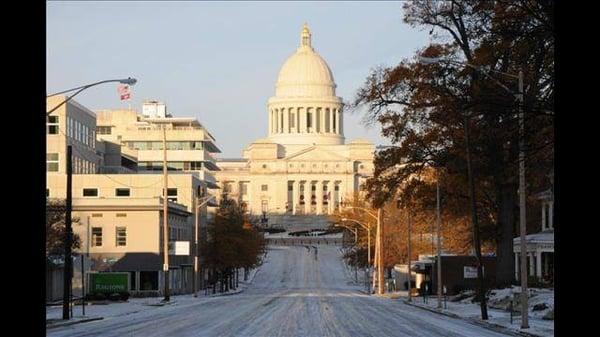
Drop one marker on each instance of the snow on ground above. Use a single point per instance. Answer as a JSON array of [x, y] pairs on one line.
[[298, 291], [498, 306]]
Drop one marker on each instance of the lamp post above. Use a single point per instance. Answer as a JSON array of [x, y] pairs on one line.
[[378, 244], [368, 228], [522, 185], [355, 232], [196, 267], [68, 266]]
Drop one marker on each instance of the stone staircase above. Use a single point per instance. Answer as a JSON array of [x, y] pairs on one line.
[[299, 222]]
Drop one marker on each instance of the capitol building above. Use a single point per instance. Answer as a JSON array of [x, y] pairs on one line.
[[303, 169]]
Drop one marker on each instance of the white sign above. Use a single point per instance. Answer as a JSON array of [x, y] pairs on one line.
[[471, 272], [179, 248]]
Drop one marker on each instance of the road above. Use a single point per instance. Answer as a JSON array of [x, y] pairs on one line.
[[296, 292]]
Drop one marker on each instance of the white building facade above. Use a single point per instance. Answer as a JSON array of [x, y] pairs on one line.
[[303, 169]]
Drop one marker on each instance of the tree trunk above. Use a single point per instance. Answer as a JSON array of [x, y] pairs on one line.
[[505, 263]]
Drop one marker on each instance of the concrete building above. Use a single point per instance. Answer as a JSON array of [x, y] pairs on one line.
[[303, 169], [120, 214]]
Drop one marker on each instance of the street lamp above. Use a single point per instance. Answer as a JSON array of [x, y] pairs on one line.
[[522, 193], [197, 209], [378, 245], [355, 231], [128, 81], [368, 228], [67, 277]]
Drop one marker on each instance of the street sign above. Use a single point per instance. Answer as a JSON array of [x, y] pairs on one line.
[[179, 248], [471, 272]]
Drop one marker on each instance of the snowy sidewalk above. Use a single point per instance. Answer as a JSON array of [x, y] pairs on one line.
[[498, 319], [101, 310]]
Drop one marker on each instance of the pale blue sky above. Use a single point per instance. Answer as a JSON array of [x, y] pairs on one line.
[[219, 61]]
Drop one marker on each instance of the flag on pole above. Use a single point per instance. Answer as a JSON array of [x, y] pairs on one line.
[[124, 92]]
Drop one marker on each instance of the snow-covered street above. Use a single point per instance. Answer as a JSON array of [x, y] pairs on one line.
[[296, 292]]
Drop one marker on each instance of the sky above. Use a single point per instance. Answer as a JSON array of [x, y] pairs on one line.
[[218, 61]]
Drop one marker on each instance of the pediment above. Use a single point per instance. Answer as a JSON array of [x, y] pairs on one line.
[[315, 153]]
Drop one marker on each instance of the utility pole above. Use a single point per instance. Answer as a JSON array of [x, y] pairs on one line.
[[409, 271], [439, 246], [380, 276], [522, 209], [475, 224], [195, 278], [68, 265], [165, 217]]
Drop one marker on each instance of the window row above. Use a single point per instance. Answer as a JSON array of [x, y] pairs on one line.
[[81, 132], [158, 145], [79, 165], [119, 192], [171, 166]]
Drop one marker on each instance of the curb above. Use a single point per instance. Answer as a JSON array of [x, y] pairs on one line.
[[487, 325], [61, 323]]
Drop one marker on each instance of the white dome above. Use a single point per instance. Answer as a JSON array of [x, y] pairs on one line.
[[305, 109], [305, 73]]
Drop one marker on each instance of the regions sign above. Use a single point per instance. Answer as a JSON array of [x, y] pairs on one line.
[[108, 283]]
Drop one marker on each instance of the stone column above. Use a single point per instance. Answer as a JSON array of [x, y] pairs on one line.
[[342, 191], [307, 194], [296, 196], [330, 120], [341, 122], [551, 214], [337, 121], [538, 264], [544, 223], [270, 122], [322, 118], [531, 262], [330, 196], [286, 120], [517, 266], [302, 119], [319, 193]]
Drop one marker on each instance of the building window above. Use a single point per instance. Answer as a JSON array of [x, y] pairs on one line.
[[121, 215], [244, 189], [227, 187], [309, 119], [264, 188], [96, 236], [264, 166], [172, 194], [122, 192], [265, 205], [90, 192], [52, 162], [52, 125], [121, 236], [69, 127], [47, 192]]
